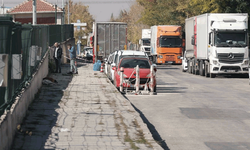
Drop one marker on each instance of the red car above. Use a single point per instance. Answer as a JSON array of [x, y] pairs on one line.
[[128, 64]]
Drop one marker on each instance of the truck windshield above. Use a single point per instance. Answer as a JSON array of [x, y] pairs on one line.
[[170, 41], [146, 42], [230, 39]]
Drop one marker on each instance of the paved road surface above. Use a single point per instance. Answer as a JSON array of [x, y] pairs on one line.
[[197, 113]]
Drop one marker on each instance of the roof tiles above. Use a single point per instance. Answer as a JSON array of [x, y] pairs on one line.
[[26, 6]]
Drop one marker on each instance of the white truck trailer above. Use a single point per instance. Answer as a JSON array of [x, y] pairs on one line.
[[108, 37], [144, 42], [217, 43]]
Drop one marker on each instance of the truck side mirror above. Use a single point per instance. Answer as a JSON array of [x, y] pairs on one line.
[[192, 40], [210, 39]]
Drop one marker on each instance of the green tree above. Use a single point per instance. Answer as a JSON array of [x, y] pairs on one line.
[[132, 18], [162, 12], [78, 11], [220, 6]]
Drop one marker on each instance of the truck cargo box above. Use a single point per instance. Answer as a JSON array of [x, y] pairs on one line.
[[109, 36]]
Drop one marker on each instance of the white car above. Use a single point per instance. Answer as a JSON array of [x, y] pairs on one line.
[[108, 64], [184, 63]]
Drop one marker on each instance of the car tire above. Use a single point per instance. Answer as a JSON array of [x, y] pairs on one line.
[[193, 67], [189, 68], [206, 71]]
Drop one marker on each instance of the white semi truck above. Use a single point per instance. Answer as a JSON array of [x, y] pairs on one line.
[[217, 43], [144, 42]]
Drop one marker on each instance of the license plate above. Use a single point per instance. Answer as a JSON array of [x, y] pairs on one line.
[[230, 71], [169, 62]]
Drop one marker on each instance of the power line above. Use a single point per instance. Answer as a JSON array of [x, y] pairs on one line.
[[104, 2], [87, 2]]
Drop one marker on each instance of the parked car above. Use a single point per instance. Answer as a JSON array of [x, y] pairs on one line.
[[128, 64], [128, 53], [117, 56], [108, 64], [88, 53]]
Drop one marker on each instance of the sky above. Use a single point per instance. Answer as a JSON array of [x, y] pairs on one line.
[[100, 9]]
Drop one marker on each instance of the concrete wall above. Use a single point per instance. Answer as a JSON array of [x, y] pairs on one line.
[[13, 117]]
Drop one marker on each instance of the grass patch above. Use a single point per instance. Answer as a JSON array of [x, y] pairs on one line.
[[101, 123], [140, 135], [112, 103], [127, 138]]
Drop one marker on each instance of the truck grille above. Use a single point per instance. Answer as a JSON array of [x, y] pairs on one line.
[[225, 68], [230, 58], [147, 49]]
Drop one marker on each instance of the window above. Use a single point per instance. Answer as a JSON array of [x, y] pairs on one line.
[[132, 63], [230, 39], [146, 42], [170, 41]]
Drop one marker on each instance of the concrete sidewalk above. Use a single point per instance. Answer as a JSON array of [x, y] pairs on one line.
[[83, 111]]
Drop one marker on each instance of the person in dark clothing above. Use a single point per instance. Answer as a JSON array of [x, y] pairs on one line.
[[57, 57]]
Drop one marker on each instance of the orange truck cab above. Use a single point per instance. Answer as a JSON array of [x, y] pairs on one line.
[[166, 44]]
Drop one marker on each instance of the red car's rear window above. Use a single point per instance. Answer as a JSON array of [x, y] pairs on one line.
[[132, 63]]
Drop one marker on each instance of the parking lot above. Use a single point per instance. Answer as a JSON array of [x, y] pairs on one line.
[[193, 112]]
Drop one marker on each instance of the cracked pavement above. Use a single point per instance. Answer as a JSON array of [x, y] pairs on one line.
[[83, 111]]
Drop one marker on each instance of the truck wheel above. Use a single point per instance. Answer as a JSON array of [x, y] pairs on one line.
[[206, 71], [189, 69], [212, 75], [201, 69], [193, 67]]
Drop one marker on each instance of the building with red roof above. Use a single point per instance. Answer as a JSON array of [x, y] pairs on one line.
[[46, 12]]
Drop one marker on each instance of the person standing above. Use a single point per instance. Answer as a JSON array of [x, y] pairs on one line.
[[57, 57], [73, 68]]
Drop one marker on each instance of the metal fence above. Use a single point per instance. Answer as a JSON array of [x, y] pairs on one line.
[[22, 47], [60, 33]]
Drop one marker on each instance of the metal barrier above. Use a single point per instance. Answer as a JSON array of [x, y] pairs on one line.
[[148, 87], [21, 49]]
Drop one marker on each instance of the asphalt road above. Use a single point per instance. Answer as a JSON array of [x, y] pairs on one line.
[[191, 112]]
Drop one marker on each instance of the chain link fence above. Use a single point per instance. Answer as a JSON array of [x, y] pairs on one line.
[[22, 47]]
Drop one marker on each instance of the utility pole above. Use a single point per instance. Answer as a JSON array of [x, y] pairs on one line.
[[56, 14], [2, 6], [34, 13], [68, 12], [63, 15]]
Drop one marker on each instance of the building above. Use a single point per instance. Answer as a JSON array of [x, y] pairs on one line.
[[46, 13]]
